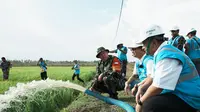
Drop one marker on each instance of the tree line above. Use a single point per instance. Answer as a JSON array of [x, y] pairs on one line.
[[16, 63]]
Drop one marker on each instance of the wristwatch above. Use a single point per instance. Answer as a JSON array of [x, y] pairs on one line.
[[139, 102]]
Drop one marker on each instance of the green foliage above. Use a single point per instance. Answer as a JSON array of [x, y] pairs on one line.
[[51, 63], [27, 74], [46, 100], [50, 100]]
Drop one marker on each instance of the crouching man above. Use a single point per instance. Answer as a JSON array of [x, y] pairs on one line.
[[108, 77]]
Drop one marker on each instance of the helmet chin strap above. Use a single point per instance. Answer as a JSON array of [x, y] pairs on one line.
[[148, 46]]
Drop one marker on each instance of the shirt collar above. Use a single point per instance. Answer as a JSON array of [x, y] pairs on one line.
[[142, 58], [164, 43]]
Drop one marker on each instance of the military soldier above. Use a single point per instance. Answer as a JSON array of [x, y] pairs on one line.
[[5, 66], [108, 77], [43, 67]]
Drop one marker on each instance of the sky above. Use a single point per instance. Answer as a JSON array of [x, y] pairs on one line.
[[74, 29]]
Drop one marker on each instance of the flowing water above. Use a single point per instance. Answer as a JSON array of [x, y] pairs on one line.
[[23, 89]]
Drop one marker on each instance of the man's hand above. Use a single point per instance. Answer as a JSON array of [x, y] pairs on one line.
[[91, 89], [138, 108], [127, 88], [134, 90], [139, 94], [100, 77]]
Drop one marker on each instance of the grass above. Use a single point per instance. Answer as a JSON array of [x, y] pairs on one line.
[[60, 99], [48, 100], [85, 103], [27, 74]]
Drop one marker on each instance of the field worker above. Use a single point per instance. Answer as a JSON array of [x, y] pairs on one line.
[[43, 67], [5, 66], [176, 40], [192, 48], [76, 69], [108, 74], [176, 83], [142, 68], [121, 54]]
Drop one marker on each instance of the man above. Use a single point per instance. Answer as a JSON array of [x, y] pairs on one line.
[[43, 67], [142, 68], [176, 40], [76, 69], [108, 74], [5, 66], [176, 83], [121, 54], [192, 48]]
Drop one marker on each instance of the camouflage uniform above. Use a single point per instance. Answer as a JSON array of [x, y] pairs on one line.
[[114, 80], [5, 66]]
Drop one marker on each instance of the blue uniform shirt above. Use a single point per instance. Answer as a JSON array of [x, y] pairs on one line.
[[121, 55], [77, 69]]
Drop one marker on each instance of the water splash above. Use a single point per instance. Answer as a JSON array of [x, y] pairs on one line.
[[23, 89]]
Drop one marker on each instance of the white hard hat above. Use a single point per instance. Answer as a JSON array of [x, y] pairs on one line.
[[191, 30], [175, 28], [134, 45], [152, 31]]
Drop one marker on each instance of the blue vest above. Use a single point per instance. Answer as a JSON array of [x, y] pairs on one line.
[[174, 42], [141, 67], [188, 85], [121, 55], [43, 65], [194, 48], [76, 71]]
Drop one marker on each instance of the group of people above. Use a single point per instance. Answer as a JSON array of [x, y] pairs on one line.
[[76, 67], [166, 77]]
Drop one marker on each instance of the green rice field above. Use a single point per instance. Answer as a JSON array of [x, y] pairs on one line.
[[27, 74], [43, 100]]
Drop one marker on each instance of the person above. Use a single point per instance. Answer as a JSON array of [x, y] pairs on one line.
[[108, 74], [142, 68], [122, 55], [177, 40], [43, 67], [76, 69], [192, 48], [5, 66], [176, 83]]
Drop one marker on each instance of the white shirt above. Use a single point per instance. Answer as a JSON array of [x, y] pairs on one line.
[[167, 72], [149, 66]]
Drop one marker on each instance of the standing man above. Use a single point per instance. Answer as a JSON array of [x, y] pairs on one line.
[[108, 77], [5, 66], [76, 69], [121, 54], [43, 67], [176, 83], [192, 48], [142, 68], [176, 40]]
